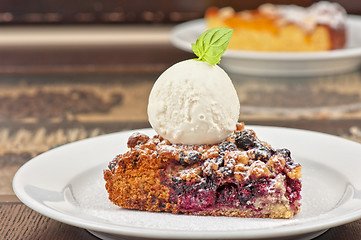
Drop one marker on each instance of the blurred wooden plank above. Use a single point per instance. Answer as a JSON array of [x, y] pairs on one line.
[[9, 198], [78, 36], [20, 222], [347, 231], [90, 59]]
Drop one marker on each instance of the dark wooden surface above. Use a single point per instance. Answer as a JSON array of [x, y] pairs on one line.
[[20, 222], [65, 95]]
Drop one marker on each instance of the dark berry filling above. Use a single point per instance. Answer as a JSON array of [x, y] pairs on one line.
[[246, 139], [197, 201], [253, 189], [234, 174], [262, 153], [293, 190], [227, 146], [284, 152], [210, 194], [228, 195], [190, 158]]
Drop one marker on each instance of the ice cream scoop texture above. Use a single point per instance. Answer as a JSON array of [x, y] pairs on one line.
[[193, 102]]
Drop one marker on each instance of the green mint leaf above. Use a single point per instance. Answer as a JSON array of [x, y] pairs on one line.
[[211, 44]]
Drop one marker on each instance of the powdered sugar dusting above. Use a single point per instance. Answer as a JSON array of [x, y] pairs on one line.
[[91, 198], [326, 13]]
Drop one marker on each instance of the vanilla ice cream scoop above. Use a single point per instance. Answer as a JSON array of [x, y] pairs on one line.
[[193, 102]]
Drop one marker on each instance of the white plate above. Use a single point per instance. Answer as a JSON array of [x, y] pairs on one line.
[[67, 184], [276, 63]]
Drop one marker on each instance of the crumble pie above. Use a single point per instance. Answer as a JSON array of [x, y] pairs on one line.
[[289, 28], [240, 177]]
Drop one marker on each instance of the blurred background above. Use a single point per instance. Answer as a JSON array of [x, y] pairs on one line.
[[74, 69], [122, 11], [94, 23]]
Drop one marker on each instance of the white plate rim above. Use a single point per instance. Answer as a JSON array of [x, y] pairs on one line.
[[159, 233], [199, 24]]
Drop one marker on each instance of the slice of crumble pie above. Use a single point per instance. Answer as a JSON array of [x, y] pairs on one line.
[[239, 177]]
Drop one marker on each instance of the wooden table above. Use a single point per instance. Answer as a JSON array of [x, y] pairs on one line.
[[55, 96]]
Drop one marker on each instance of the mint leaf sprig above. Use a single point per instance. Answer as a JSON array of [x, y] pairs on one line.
[[211, 44]]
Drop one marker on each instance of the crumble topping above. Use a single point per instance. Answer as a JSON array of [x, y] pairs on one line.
[[241, 173], [242, 154]]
